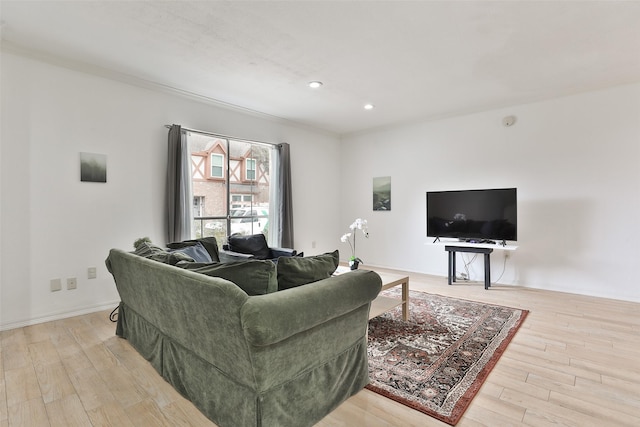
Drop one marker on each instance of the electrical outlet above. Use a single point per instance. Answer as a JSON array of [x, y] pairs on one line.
[[313, 244], [91, 273], [72, 283], [56, 285]]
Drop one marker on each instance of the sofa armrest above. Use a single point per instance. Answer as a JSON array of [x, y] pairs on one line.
[[268, 319]]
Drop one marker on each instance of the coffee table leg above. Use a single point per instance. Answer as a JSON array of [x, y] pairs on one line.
[[405, 300]]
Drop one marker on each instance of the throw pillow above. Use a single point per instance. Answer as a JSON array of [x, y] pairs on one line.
[[255, 244], [192, 249], [255, 277], [211, 245], [295, 271], [146, 249]]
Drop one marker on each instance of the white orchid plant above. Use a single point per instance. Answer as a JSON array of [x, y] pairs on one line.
[[350, 238]]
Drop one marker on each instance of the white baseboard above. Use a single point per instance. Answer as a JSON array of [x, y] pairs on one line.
[[58, 316]]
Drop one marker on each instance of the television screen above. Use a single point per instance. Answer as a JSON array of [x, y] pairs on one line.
[[475, 215]]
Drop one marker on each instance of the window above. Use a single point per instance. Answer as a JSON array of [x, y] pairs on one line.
[[198, 206], [241, 200], [251, 169], [217, 165], [236, 200]]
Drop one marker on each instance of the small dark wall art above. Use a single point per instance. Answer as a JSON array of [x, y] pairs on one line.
[[382, 193], [93, 167]]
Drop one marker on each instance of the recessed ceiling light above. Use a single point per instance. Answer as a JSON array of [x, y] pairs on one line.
[[315, 84], [369, 106]]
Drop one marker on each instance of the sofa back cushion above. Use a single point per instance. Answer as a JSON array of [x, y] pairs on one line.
[[253, 276], [296, 271], [255, 244]]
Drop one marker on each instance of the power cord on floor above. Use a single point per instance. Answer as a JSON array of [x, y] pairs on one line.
[[504, 268], [114, 314], [467, 277], [468, 263]]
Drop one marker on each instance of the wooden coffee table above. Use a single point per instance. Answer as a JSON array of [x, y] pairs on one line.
[[382, 304]]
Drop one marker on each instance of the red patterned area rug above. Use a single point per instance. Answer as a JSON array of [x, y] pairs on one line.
[[437, 360]]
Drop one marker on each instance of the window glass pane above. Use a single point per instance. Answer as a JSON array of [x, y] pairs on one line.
[[213, 228], [248, 195], [254, 186]]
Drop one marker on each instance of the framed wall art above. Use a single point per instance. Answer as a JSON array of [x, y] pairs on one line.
[[382, 193], [93, 167]]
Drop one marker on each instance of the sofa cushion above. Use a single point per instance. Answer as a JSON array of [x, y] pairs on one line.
[[255, 277], [191, 249], [255, 244], [147, 249], [296, 271]]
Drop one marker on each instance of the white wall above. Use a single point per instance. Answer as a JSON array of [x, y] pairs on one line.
[[54, 226], [575, 161], [576, 164]]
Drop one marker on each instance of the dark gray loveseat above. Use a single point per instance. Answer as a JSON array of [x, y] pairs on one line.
[[286, 358]]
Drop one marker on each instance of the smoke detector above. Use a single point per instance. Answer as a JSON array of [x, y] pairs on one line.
[[508, 121]]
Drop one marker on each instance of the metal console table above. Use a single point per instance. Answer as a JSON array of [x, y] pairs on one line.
[[479, 248], [452, 261]]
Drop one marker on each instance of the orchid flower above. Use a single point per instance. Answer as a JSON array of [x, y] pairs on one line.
[[358, 224]]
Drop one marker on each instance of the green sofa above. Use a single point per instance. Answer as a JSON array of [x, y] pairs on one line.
[[286, 358]]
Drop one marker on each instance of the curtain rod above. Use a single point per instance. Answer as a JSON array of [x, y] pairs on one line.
[[217, 135]]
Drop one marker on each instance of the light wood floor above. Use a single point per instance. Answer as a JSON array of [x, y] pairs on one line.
[[574, 362]]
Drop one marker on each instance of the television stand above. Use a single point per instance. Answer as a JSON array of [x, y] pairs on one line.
[[474, 249], [453, 246]]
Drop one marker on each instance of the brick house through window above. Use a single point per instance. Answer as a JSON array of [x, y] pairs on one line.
[[230, 179]]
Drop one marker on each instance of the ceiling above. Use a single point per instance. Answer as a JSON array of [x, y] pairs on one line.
[[414, 60]]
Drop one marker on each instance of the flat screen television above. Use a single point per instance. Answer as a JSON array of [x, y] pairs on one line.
[[479, 216]]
